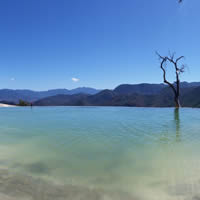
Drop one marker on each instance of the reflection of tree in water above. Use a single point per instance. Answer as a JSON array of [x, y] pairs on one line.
[[167, 137], [177, 122]]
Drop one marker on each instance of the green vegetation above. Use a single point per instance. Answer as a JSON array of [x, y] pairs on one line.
[[23, 103]]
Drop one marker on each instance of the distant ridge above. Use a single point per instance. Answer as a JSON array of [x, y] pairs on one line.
[[31, 96], [143, 88], [144, 94], [189, 98], [140, 95]]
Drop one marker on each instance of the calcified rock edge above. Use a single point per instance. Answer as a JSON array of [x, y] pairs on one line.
[[22, 187], [5, 105]]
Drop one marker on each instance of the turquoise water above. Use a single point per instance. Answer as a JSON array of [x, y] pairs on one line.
[[108, 153]]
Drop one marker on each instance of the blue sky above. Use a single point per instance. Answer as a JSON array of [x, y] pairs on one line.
[[98, 43]]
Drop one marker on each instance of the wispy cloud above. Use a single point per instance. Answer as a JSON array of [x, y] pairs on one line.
[[75, 79], [12, 79]]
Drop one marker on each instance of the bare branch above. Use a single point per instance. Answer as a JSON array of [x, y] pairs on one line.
[[179, 58], [182, 69], [178, 71], [171, 55], [159, 56], [163, 61]]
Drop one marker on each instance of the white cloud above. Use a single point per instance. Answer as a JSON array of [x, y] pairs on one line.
[[75, 79], [12, 79]]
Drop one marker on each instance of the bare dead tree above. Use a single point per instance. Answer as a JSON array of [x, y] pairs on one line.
[[178, 70]]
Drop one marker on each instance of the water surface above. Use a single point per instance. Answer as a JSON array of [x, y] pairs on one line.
[[105, 153]]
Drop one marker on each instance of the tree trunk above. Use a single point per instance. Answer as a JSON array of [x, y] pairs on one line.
[[178, 71], [177, 102]]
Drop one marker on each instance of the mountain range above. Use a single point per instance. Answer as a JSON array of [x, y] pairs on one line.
[[137, 95], [31, 96]]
